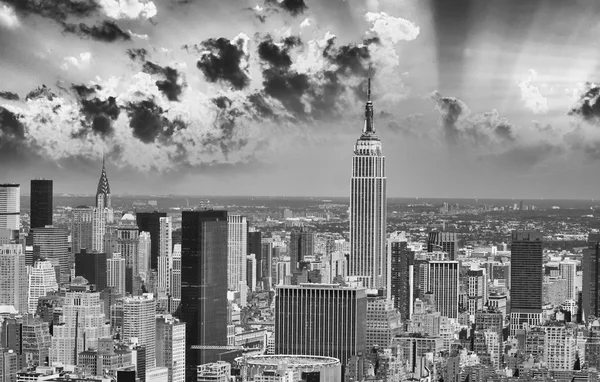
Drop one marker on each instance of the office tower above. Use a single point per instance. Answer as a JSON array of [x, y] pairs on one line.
[[444, 284], [139, 321], [402, 277], [568, 271], [42, 279], [103, 198], [128, 247], [41, 203], [526, 279], [203, 304], [383, 322], [560, 348], [53, 246], [251, 271], [255, 246], [115, 274], [445, 242], [82, 324], [591, 278], [175, 290], [13, 277], [477, 290], [165, 239], [170, 346], [92, 266], [368, 206], [319, 319], [237, 251], [302, 245], [267, 269], [150, 222], [10, 206], [165, 260], [82, 221], [144, 254]]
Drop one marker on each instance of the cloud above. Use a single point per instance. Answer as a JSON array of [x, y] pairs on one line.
[[173, 82], [106, 31], [128, 9], [392, 29], [138, 36], [81, 63], [58, 10], [98, 114], [8, 17], [9, 95], [531, 95], [294, 7], [587, 106], [223, 60], [305, 23]]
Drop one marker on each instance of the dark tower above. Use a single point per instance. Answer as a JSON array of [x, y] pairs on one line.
[[402, 285], [40, 203], [302, 245], [150, 222], [92, 266], [103, 198], [203, 304], [443, 241], [255, 247], [591, 278]]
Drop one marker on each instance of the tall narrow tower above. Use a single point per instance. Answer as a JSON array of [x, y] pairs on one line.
[[368, 206], [103, 192]]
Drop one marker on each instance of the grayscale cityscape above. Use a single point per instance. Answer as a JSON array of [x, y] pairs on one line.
[[296, 190]]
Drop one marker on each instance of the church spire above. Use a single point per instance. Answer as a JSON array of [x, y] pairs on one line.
[[369, 127]]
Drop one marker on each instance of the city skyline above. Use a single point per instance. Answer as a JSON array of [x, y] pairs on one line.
[[455, 101]]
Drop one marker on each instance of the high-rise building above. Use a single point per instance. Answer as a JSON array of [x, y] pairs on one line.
[[383, 322], [526, 278], [82, 228], [82, 324], [41, 203], [128, 247], [103, 198], [36, 340], [92, 266], [13, 277], [560, 348], [170, 346], [251, 271], [237, 251], [320, 319], [150, 222], [10, 206], [115, 274], [255, 246], [368, 206], [445, 242], [402, 261], [477, 290], [302, 245], [53, 244], [568, 271], [445, 286], [591, 277], [139, 321], [165, 261], [203, 304], [144, 254], [42, 279], [175, 290]]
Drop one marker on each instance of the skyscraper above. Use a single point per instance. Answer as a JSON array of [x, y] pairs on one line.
[[165, 260], [402, 277], [591, 278], [445, 286], [320, 319], [568, 271], [41, 203], [10, 206], [13, 277], [170, 346], [203, 304], [175, 290], [368, 205], [255, 246], [144, 244], [302, 245], [237, 251], [526, 278], [477, 290], [115, 274], [150, 222], [139, 321], [53, 245], [128, 247], [42, 279], [445, 242], [103, 198], [92, 266]]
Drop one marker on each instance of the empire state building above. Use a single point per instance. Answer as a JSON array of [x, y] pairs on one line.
[[368, 205]]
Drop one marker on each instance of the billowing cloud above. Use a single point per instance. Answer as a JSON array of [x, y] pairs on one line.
[[294, 7], [587, 106], [9, 95], [223, 60], [80, 63], [392, 29], [137, 54], [530, 94], [8, 17], [128, 9], [172, 83], [106, 31]]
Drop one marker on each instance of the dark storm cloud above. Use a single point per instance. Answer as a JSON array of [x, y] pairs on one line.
[[9, 95], [170, 86], [106, 31], [58, 10], [294, 7], [10, 126], [587, 106], [260, 105], [221, 61], [137, 54], [98, 115], [149, 123], [451, 109], [41, 92], [13, 146], [276, 56]]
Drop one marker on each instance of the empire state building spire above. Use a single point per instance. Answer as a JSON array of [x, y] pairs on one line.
[[369, 127]]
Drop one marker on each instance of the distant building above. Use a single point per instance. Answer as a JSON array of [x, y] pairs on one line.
[[128, 246], [40, 203], [115, 274], [92, 266], [150, 222], [237, 251], [477, 290], [42, 279], [214, 372], [383, 322], [444, 284], [402, 277], [53, 244], [302, 246], [13, 277], [10, 206], [445, 242], [591, 277], [170, 346], [139, 321], [321, 320]]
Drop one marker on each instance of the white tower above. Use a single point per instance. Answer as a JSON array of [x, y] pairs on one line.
[[10, 206], [368, 206], [237, 251]]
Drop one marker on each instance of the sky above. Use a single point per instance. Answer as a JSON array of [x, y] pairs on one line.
[[474, 99]]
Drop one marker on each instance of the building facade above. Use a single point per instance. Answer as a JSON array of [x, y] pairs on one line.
[[445, 286], [42, 279], [151, 222], [10, 206], [445, 242], [591, 277], [237, 251], [139, 321], [170, 346], [13, 277], [40, 214]]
